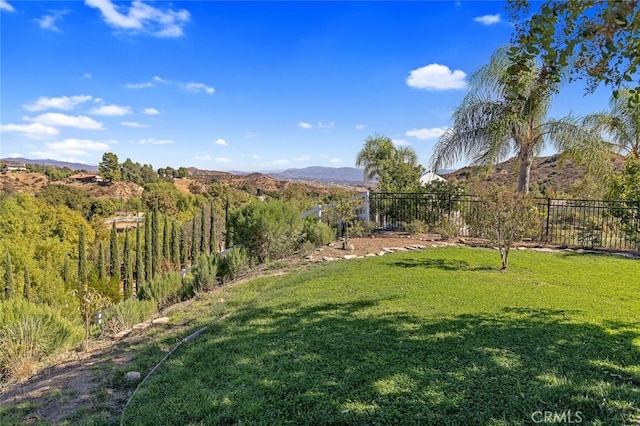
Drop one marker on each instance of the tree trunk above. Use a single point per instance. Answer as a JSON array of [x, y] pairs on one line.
[[525, 159]]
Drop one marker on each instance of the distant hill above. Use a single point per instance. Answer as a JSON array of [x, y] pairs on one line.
[[322, 174], [547, 173], [55, 163]]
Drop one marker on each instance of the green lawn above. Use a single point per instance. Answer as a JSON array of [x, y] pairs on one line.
[[437, 337]]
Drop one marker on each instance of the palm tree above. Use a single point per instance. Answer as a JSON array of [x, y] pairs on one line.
[[622, 124], [498, 117], [379, 149]]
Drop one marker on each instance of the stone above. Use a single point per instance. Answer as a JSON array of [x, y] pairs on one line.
[[132, 376], [142, 325], [349, 256], [370, 255], [462, 241], [329, 259], [161, 320]]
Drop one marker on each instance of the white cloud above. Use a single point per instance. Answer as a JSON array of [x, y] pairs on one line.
[[335, 161], [111, 110], [302, 158], [488, 19], [360, 126], [139, 85], [66, 103], [436, 76], [281, 162], [135, 124], [305, 125], [14, 155], [33, 130], [398, 142], [202, 157], [75, 147], [151, 111], [48, 22], [154, 141], [141, 17], [87, 76], [326, 125], [251, 135], [423, 134], [63, 120], [221, 142], [161, 80], [4, 5], [199, 87], [222, 160], [255, 157]]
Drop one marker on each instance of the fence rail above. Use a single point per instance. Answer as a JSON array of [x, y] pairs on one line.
[[610, 224]]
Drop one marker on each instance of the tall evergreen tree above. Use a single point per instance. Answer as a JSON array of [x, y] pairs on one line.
[[194, 241], [82, 257], [26, 289], [227, 226], [155, 241], [175, 244], [203, 231], [102, 272], [212, 232], [10, 287], [114, 253], [128, 267], [184, 248], [147, 247], [166, 240], [139, 259]]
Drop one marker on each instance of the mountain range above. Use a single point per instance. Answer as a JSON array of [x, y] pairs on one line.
[[55, 163]]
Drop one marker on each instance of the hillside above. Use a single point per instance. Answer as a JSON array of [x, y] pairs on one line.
[[55, 163], [322, 174], [551, 173]]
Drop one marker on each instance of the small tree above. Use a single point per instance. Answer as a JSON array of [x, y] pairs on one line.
[[114, 253], [507, 217], [626, 188], [346, 214]]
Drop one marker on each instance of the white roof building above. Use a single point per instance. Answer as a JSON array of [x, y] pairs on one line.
[[430, 177]]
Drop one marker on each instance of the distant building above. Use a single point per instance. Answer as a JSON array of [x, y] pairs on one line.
[[429, 177], [85, 178], [13, 167]]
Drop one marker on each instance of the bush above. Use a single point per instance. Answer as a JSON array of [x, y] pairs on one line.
[[317, 233], [126, 314], [30, 332], [268, 230], [204, 277], [415, 227], [235, 263], [359, 228], [165, 289], [448, 227]]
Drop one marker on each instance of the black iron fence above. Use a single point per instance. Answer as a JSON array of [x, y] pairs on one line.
[[607, 224]]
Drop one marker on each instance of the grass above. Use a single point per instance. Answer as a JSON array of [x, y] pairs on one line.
[[437, 337]]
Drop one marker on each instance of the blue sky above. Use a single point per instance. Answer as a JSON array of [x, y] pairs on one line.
[[240, 85]]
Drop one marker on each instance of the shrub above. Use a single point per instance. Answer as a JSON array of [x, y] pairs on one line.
[[204, 275], [30, 332], [235, 263], [317, 233], [415, 227], [448, 226], [359, 228], [126, 314], [268, 230], [164, 289]]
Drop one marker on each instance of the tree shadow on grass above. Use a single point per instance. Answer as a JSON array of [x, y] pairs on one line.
[[354, 363], [444, 264]]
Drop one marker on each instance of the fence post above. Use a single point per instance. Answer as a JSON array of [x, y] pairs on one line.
[[546, 234], [367, 210]]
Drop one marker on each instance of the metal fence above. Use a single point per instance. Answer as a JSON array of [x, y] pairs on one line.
[[609, 224]]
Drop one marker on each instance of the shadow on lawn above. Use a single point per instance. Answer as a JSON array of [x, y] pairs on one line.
[[355, 364], [444, 264]]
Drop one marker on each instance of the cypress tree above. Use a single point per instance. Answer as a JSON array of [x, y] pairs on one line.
[[155, 242], [102, 273], [128, 267], [194, 241], [175, 244], [227, 235], [139, 259], [114, 253], [212, 232], [26, 290], [184, 248], [10, 287], [147, 247], [82, 257], [166, 240], [203, 231]]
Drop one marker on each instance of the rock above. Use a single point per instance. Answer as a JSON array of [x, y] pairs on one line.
[[462, 241], [346, 246], [382, 253], [349, 256], [521, 248], [370, 255], [121, 334], [161, 320], [329, 259], [132, 376], [142, 325]]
